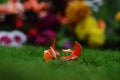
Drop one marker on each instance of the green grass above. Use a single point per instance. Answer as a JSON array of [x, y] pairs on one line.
[[27, 63]]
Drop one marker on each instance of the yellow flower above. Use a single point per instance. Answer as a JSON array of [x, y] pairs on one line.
[[83, 28], [81, 32], [117, 16], [96, 38], [89, 30], [77, 11], [90, 23]]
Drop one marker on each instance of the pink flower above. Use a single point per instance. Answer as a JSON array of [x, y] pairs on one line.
[[41, 40], [50, 34], [19, 37], [5, 39], [67, 44]]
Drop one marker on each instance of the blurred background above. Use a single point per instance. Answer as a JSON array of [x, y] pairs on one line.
[[94, 23]]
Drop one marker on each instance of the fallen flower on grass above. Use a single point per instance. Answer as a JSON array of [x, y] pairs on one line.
[[75, 54], [51, 53]]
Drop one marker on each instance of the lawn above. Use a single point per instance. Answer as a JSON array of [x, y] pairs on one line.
[[27, 63]]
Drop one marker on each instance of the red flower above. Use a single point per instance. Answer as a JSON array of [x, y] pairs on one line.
[[75, 54], [32, 32], [19, 23]]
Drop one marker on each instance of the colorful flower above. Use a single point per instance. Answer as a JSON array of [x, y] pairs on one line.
[[45, 37], [96, 38], [41, 40], [19, 23], [32, 32], [5, 39], [117, 16], [50, 21], [101, 24], [50, 34], [67, 44], [2, 8], [14, 7], [51, 53], [75, 54], [91, 31], [83, 28], [12, 39], [77, 11], [19, 37]]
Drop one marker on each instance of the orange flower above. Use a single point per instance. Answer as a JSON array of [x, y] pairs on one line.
[[74, 54], [51, 53], [2, 8], [117, 16], [101, 24], [77, 11]]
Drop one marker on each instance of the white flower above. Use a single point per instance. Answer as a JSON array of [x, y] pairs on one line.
[[12, 39], [5, 38], [95, 4], [18, 37]]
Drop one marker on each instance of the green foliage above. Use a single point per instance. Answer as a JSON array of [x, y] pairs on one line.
[[27, 63], [2, 1], [103, 13]]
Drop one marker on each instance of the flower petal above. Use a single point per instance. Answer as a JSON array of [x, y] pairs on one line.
[[74, 54], [51, 53], [47, 56]]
